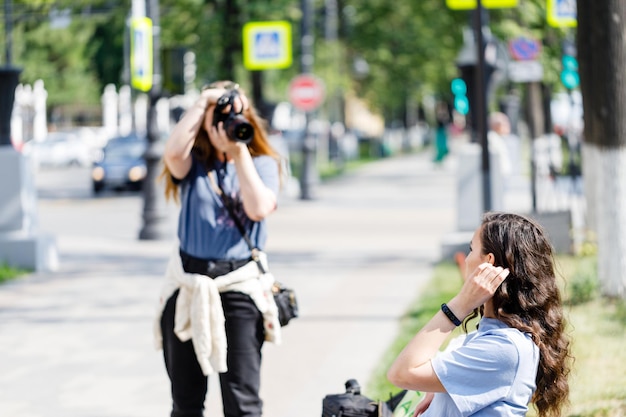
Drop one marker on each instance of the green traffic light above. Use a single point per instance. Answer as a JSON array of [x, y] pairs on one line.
[[458, 87], [570, 79], [461, 104], [569, 63]]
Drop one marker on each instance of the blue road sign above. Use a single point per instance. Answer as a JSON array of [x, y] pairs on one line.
[[524, 49]]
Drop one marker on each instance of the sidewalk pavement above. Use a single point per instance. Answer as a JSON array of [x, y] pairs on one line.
[[78, 342]]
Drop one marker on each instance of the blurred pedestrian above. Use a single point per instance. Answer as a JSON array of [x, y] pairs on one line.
[[442, 117], [215, 312], [520, 352], [499, 130]]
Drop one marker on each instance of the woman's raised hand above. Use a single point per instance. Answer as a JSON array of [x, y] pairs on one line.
[[479, 287]]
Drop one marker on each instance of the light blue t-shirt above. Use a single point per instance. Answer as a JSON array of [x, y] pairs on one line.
[[492, 374], [205, 228]]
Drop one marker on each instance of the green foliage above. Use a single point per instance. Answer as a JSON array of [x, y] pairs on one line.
[[410, 47], [582, 285], [52, 42], [598, 378], [62, 67], [8, 272]]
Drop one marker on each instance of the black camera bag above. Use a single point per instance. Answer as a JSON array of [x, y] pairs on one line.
[[353, 404]]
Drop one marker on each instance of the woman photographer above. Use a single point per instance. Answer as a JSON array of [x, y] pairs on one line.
[[215, 312], [520, 352]]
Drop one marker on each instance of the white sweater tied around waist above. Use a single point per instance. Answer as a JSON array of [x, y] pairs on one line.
[[199, 315]]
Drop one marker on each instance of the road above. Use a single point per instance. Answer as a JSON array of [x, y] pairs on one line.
[[67, 206]]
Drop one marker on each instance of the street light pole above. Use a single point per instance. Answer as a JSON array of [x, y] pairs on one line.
[[9, 78], [481, 104], [154, 210], [308, 174], [8, 30]]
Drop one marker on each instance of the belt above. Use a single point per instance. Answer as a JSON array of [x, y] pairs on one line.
[[211, 268]]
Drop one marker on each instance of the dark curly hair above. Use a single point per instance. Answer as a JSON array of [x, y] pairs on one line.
[[529, 300]]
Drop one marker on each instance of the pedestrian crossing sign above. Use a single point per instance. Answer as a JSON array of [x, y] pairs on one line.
[[267, 45], [141, 53], [562, 13]]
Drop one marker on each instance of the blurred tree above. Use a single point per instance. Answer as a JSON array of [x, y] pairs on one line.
[[387, 53], [51, 44], [409, 48], [602, 58]]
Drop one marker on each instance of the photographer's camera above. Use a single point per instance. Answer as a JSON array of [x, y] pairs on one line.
[[237, 127]]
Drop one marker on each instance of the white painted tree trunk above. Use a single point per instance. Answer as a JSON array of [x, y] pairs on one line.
[[590, 162], [611, 218]]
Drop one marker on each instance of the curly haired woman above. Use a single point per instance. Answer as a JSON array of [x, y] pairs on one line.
[[520, 353]]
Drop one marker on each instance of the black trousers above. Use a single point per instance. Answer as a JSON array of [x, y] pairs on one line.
[[240, 384]]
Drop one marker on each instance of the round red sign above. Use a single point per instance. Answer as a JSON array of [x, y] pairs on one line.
[[306, 92]]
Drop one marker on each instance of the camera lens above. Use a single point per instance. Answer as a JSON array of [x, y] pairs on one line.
[[238, 128]]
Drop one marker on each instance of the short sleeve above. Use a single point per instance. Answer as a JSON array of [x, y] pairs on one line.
[[190, 173], [267, 167], [479, 373]]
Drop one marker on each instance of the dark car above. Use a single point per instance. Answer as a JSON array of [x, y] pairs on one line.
[[121, 166]]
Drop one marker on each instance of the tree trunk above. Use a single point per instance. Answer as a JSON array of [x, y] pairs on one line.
[[231, 40], [602, 59]]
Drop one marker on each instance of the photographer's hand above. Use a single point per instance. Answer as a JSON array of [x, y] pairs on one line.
[[209, 96], [177, 153], [217, 134], [220, 140]]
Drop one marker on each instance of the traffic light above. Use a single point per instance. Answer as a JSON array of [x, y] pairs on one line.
[[569, 74], [459, 89]]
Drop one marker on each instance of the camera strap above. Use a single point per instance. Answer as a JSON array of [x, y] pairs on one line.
[[229, 204]]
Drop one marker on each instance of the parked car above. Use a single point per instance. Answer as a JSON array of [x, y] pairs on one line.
[[59, 149], [121, 165]]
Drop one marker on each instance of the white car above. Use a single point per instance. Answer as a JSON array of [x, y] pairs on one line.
[[59, 149]]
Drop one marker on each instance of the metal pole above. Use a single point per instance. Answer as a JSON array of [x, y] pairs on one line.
[[8, 30], [306, 66], [9, 79], [154, 210], [481, 105]]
